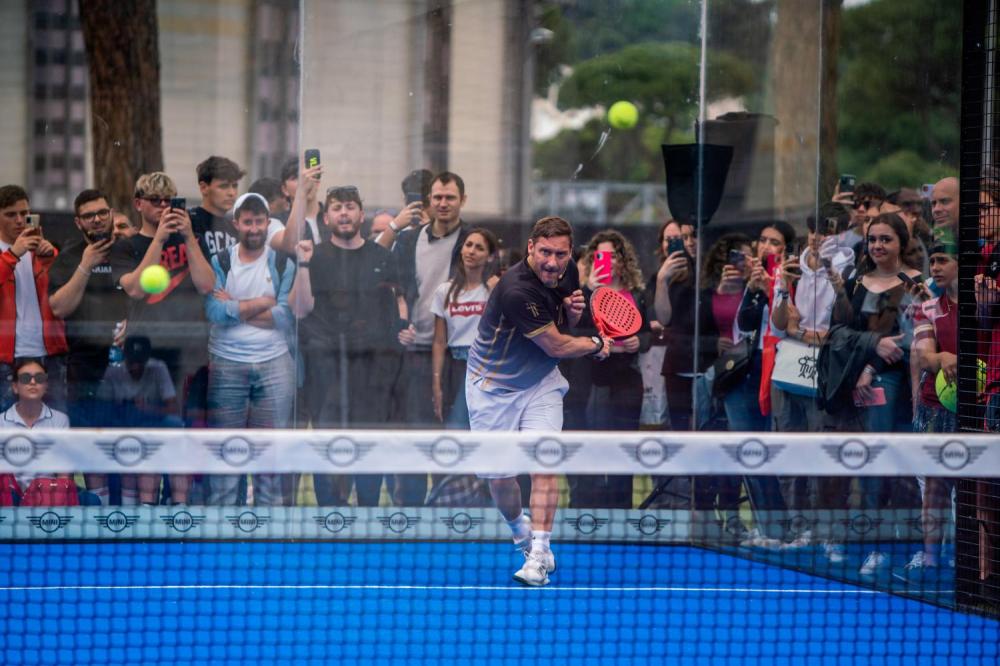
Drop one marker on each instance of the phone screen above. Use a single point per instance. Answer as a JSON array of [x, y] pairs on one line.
[[771, 263], [312, 158], [602, 267], [737, 259]]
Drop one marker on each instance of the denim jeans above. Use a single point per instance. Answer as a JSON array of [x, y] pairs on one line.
[[249, 395], [742, 406]]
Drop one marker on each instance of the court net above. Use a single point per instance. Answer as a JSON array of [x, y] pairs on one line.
[[701, 547]]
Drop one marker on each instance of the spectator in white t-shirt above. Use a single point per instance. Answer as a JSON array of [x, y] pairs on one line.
[[142, 395], [251, 375], [457, 306]]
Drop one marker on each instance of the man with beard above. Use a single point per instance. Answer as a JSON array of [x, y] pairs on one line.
[[251, 375], [346, 287], [513, 381]]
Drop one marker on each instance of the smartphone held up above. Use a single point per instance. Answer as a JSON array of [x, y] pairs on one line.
[[602, 267]]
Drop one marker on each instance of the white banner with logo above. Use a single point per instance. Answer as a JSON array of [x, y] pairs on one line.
[[451, 452], [440, 523]]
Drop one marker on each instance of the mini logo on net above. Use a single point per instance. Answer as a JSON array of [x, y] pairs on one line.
[[854, 453], [550, 452], [248, 521], [753, 453], [50, 521], [335, 521], [182, 521], [128, 451], [447, 451], [926, 525], [861, 524], [798, 524], [648, 525], [955, 454], [20, 450], [587, 523], [652, 453], [462, 523], [116, 521], [343, 451], [236, 451], [398, 522]]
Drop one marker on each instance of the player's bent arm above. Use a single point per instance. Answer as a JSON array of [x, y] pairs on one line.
[[559, 345]]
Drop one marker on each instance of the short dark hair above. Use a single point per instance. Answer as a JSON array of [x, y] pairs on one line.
[[86, 197], [219, 168], [269, 188], [418, 180], [989, 184], [137, 348], [290, 169], [11, 194], [343, 194], [22, 361], [832, 214], [869, 191], [786, 230], [446, 177], [551, 227]]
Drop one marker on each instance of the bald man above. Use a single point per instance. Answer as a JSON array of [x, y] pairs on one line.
[[944, 202]]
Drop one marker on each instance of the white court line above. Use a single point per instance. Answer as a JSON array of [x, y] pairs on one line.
[[448, 588]]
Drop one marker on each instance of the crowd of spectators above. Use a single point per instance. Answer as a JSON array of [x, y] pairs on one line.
[[289, 305]]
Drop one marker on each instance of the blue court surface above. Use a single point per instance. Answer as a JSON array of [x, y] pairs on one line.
[[449, 603]]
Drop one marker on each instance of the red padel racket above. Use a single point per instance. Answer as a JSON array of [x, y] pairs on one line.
[[614, 315]]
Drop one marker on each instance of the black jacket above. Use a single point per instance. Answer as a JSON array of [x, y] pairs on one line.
[[841, 359]]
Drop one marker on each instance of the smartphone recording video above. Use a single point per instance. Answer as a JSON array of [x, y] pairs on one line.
[[737, 259], [312, 158], [602, 267], [674, 245], [34, 221], [178, 203], [847, 182]]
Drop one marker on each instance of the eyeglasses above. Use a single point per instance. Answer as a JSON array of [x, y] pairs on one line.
[[162, 202], [38, 377], [103, 213]]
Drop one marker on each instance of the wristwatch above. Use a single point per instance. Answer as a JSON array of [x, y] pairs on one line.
[[392, 225], [599, 343]]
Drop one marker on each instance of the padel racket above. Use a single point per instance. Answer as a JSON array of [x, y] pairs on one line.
[[614, 315]]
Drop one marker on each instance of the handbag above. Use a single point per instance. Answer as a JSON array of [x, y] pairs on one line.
[[795, 367], [733, 366]]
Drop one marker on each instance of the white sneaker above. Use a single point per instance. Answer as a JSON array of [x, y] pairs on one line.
[[874, 560], [533, 572], [917, 562], [834, 552], [548, 559]]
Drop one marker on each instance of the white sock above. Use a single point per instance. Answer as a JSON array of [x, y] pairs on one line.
[[520, 528], [102, 494], [130, 497], [541, 539]]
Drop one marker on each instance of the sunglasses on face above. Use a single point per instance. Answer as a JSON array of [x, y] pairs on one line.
[[157, 201], [38, 377]]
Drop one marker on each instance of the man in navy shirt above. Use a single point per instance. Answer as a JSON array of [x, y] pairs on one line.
[[513, 382]]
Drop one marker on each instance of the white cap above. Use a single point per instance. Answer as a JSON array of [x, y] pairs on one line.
[[242, 199]]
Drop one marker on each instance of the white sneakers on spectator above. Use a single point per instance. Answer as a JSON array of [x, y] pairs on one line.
[[873, 562], [834, 552]]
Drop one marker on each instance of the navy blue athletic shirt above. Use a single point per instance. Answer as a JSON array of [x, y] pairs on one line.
[[520, 308]]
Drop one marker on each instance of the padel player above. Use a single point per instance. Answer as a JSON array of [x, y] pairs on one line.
[[513, 382]]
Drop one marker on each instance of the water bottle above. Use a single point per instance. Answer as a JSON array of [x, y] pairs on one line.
[[115, 354]]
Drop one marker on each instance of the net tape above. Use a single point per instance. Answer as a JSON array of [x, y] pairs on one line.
[[452, 452]]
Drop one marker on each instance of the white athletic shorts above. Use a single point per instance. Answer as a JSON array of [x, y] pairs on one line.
[[495, 409]]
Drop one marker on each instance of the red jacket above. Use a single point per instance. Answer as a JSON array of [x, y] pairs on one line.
[[54, 329]]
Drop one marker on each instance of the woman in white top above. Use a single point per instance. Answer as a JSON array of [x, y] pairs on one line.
[[30, 382], [458, 306]]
